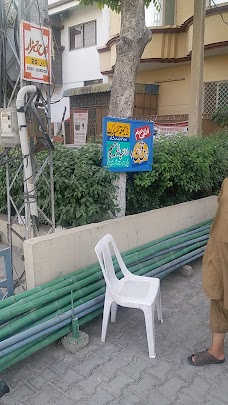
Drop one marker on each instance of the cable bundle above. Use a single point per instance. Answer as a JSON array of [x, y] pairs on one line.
[[38, 317]]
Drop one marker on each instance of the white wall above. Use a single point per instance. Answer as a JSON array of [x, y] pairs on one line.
[[81, 64], [46, 257]]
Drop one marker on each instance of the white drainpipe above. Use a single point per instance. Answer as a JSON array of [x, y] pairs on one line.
[[20, 103]]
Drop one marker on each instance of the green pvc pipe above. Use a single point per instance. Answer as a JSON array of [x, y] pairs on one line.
[[166, 238], [33, 347], [9, 313], [15, 298], [26, 351], [82, 275], [156, 249], [161, 262], [16, 310], [23, 321], [86, 298], [143, 270], [20, 323], [90, 269], [44, 288], [81, 301], [54, 308]]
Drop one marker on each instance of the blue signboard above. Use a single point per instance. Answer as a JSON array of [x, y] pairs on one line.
[[127, 145]]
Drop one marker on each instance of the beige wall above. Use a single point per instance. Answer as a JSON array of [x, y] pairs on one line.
[[114, 24], [171, 45], [184, 10], [18, 228], [215, 30], [174, 88], [216, 68], [49, 256], [175, 82], [3, 231]]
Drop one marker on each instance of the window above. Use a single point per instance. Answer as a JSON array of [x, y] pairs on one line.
[[215, 95], [163, 14], [214, 3], [83, 35], [153, 15]]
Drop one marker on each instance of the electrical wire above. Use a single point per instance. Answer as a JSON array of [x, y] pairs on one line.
[[218, 8], [57, 101], [51, 71], [55, 41]]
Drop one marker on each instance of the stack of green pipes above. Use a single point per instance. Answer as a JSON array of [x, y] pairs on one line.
[[36, 318]]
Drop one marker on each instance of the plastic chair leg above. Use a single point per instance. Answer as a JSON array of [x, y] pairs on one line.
[[159, 307], [149, 321], [107, 307], [113, 311]]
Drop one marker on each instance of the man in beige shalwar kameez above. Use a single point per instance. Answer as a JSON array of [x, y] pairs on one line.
[[215, 283]]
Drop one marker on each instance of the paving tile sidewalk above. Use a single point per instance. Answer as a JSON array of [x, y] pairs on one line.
[[120, 371]]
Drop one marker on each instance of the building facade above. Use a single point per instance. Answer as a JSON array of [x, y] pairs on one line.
[[88, 36], [166, 60], [80, 31]]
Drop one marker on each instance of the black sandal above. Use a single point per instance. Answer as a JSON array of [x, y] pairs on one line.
[[203, 359]]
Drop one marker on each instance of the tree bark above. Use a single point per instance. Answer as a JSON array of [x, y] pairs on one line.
[[134, 36]]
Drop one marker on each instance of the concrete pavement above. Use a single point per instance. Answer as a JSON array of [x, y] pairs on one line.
[[120, 371]]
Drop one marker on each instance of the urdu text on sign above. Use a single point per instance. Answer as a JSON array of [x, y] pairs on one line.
[[127, 145], [35, 53]]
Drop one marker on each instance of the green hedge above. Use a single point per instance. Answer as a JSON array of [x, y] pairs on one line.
[[184, 169], [83, 189]]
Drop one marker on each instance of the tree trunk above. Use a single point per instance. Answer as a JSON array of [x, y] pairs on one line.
[[134, 36]]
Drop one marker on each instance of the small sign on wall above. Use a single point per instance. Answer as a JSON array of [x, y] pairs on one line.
[[127, 145], [35, 52], [170, 128], [80, 123]]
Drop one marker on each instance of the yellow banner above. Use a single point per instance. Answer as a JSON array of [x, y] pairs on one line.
[[29, 60], [119, 129]]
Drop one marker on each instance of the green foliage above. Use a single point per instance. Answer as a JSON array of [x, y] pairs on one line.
[[221, 116], [83, 189], [184, 169], [17, 188], [115, 4]]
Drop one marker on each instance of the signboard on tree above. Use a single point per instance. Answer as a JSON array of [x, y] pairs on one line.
[[35, 52], [127, 145]]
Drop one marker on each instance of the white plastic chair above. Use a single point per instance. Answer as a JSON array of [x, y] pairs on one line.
[[131, 291]]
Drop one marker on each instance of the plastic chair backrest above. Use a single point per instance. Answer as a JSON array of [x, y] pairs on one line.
[[103, 252]]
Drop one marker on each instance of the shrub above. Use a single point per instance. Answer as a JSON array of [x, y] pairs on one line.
[[185, 168], [220, 116], [83, 189]]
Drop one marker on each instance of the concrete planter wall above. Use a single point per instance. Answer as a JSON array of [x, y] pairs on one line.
[[48, 257]]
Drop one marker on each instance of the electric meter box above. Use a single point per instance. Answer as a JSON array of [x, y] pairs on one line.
[[9, 131]]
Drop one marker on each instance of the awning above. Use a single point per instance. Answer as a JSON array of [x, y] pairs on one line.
[[105, 87], [62, 5]]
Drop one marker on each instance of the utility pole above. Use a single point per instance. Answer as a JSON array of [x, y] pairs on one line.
[[35, 127], [197, 65]]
